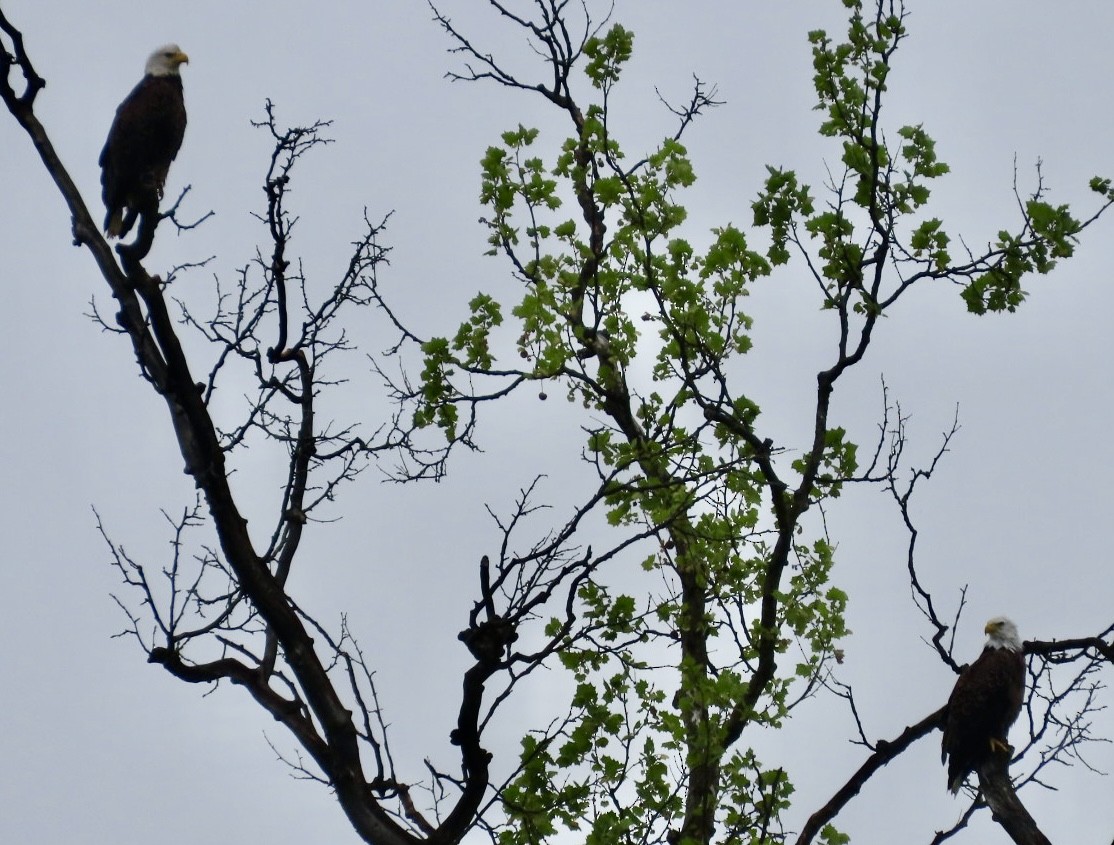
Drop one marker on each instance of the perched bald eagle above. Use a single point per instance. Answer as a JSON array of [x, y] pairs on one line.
[[984, 703], [145, 137]]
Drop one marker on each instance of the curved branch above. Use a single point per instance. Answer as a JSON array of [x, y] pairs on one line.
[[885, 751], [291, 713]]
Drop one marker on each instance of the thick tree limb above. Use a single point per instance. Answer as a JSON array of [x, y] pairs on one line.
[[998, 792]]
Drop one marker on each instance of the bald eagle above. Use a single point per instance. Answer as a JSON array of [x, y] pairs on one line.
[[145, 137], [984, 703]]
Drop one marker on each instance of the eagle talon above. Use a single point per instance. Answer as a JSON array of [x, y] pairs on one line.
[[998, 746]]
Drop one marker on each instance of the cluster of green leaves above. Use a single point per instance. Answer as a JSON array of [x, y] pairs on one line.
[[1050, 233], [470, 348], [890, 184], [603, 769], [813, 609], [436, 379], [837, 463], [607, 55], [755, 800], [886, 183]]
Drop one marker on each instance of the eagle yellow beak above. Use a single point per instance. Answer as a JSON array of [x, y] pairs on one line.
[[990, 627], [180, 58]]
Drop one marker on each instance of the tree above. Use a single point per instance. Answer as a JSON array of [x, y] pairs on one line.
[[733, 621]]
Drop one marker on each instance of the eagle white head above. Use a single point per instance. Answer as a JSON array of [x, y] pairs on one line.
[[1002, 633], [166, 60]]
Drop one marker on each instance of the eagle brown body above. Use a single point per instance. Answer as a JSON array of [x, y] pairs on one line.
[[145, 137], [984, 703]]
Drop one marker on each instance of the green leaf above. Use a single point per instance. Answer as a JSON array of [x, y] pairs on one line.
[[607, 55]]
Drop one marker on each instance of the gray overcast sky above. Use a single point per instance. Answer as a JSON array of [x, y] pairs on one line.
[[100, 747]]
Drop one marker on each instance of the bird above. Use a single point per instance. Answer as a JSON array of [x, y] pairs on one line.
[[145, 137], [984, 703]]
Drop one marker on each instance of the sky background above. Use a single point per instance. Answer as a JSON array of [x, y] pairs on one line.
[[98, 746]]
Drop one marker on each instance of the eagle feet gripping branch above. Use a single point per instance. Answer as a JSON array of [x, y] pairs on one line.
[[145, 137], [985, 702], [997, 746]]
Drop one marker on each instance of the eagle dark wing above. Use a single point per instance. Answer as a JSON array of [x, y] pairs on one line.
[[145, 137], [984, 703]]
